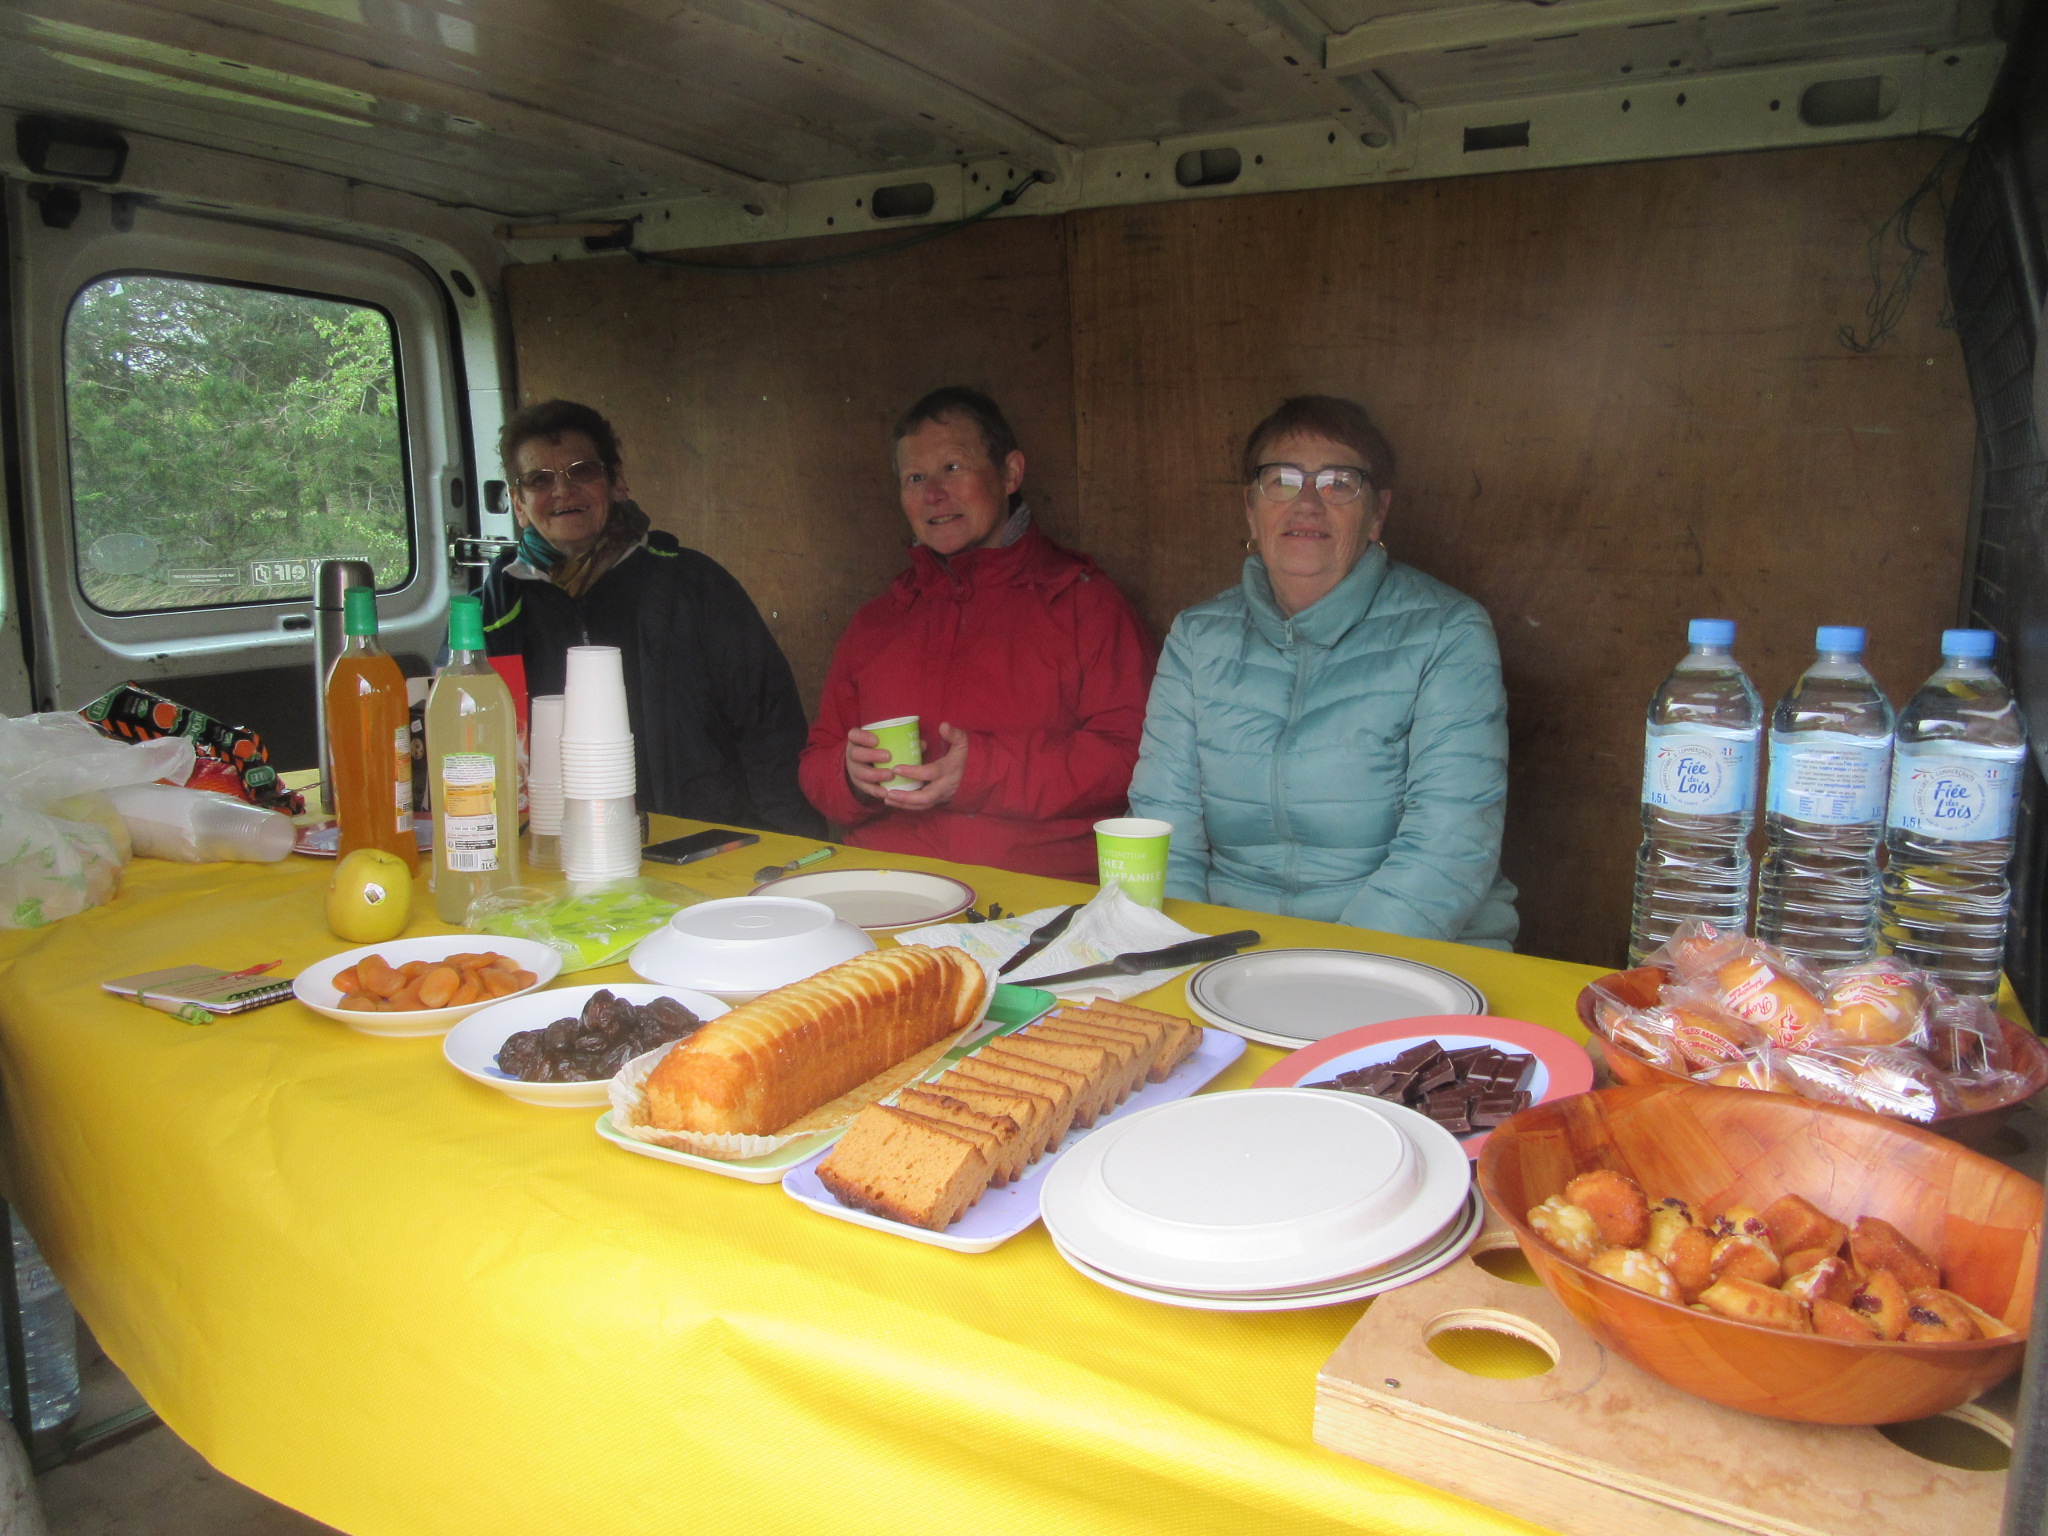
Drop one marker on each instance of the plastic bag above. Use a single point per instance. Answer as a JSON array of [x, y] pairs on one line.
[[586, 928], [199, 826], [58, 853]]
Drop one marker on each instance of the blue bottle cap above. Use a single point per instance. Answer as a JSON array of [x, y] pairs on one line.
[[1710, 632], [1973, 644], [1839, 637]]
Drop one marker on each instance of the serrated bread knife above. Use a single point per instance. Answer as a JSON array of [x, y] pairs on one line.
[[1192, 952]]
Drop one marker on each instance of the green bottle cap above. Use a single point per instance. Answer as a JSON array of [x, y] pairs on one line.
[[465, 624], [359, 611]]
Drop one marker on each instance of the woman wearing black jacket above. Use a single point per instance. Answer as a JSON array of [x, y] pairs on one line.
[[717, 725]]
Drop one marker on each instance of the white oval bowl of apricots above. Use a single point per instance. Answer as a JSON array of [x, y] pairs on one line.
[[408, 987]]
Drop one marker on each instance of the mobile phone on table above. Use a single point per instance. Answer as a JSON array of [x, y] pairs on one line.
[[698, 845]]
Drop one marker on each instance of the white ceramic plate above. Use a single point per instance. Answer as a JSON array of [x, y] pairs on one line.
[[1264, 1154], [742, 946], [1294, 997], [472, 1046], [1441, 1254], [1001, 1214], [314, 986], [878, 898]]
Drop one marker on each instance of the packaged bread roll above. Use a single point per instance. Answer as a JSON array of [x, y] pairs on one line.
[[1877, 1003], [1761, 989]]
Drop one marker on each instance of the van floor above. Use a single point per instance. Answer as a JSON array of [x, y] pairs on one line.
[[149, 1482]]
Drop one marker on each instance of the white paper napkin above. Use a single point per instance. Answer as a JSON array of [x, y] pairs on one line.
[[1110, 925]]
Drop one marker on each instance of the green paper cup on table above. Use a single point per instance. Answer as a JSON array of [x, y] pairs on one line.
[[899, 738], [1130, 851]]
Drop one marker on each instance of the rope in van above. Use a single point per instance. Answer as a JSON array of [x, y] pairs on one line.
[[1888, 299], [930, 232]]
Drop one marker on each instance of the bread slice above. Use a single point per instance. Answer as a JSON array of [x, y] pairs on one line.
[[1145, 1044], [1031, 1111], [1058, 1095], [1183, 1035], [1154, 1034], [1007, 1155], [905, 1168], [1095, 1063], [1129, 1055], [1087, 1094]]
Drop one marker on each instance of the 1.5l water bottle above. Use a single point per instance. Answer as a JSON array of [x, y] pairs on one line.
[[1956, 774], [49, 1333], [1699, 793], [1831, 748]]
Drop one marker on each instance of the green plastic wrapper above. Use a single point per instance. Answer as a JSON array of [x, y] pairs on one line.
[[587, 928]]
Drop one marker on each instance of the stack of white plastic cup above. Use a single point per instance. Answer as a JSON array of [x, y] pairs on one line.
[[600, 825], [544, 783]]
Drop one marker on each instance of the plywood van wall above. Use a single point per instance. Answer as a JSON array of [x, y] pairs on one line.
[[1617, 393]]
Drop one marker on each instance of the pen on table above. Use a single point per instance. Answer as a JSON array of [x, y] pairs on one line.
[[191, 1013], [253, 970]]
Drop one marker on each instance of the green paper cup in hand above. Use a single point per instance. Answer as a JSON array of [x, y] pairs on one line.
[[1130, 851], [899, 738]]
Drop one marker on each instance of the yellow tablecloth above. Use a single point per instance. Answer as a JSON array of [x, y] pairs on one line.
[[403, 1303]]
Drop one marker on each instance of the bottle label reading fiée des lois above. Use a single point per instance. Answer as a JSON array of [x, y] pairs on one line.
[[1699, 770], [1955, 790], [469, 811], [401, 781], [1829, 778]]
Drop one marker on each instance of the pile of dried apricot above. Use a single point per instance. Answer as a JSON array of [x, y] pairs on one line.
[[372, 985]]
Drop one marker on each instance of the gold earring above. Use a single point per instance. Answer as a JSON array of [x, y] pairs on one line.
[[1251, 546]]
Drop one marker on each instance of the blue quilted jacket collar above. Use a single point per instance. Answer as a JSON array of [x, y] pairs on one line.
[[1324, 622]]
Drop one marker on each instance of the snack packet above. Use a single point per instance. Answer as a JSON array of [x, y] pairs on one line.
[[1755, 985], [1877, 1002], [1761, 1067], [1883, 1079], [1698, 949], [586, 928]]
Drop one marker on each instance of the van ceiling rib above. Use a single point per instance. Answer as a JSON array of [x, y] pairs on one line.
[[721, 120]]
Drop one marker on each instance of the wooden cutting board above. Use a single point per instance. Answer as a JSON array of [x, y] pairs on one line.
[[1596, 1447]]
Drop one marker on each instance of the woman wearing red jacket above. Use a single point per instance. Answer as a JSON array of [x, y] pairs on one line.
[[1027, 668]]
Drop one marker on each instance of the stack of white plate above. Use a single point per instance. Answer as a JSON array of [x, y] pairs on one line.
[[1263, 1201]]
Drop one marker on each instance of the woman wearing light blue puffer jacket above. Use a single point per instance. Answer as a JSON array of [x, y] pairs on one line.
[[1329, 737]]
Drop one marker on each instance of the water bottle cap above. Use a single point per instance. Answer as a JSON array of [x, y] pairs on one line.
[[1975, 644], [1710, 632], [1839, 637]]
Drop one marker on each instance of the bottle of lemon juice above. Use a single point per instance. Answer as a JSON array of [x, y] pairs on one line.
[[472, 770]]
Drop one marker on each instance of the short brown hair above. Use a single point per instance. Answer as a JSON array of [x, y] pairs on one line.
[[550, 419], [1341, 421], [958, 400]]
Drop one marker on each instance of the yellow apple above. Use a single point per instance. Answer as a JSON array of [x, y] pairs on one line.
[[369, 899]]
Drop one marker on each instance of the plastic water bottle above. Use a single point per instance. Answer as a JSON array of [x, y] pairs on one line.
[[1831, 749], [49, 1332], [1956, 774], [1699, 793]]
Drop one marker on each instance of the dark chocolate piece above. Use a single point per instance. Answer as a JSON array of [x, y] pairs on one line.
[[1452, 1117], [1495, 1109], [1514, 1073], [1417, 1057], [1465, 1055], [1437, 1075]]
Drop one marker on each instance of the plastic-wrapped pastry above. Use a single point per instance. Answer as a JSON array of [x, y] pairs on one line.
[[1763, 990], [1567, 1228], [1746, 1301], [1616, 1203], [1877, 1003], [1637, 1270]]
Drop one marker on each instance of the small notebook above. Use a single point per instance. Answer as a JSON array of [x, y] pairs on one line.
[[215, 991]]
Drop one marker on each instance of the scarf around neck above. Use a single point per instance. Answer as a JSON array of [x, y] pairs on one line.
[[623, 532]]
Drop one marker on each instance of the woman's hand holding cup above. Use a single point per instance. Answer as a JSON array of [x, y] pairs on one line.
[[937, 782], [867, 764]]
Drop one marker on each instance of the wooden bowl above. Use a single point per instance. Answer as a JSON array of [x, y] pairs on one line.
[[1717, 1147], [1975, 1127]]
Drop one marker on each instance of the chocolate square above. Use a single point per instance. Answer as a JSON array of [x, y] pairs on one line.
[[1417, 1057], [1515, 1072], [1438, 1074], [1452, 1117], [1495, 1109]]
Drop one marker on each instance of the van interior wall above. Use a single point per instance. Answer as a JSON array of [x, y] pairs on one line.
[[1618, 394]]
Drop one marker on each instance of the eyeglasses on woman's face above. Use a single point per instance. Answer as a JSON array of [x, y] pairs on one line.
[[538, 482], [1336, 484]]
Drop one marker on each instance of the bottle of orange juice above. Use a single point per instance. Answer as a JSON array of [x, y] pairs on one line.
[[369, 737]]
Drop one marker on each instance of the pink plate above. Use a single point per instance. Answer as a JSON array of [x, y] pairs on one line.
[[1562, 1068]]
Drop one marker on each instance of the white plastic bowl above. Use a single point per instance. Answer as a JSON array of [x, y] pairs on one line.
[[738, 948], [315, 984], [472, 1046]]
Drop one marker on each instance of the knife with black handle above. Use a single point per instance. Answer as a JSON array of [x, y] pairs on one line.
[[1054, 926], [1192, 952]]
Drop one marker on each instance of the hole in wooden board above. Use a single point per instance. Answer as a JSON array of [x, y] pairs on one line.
[[1506, 1261], [1966, 1437], [1483, 1342]]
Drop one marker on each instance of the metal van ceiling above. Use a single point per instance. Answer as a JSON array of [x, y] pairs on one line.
[[722, 120]]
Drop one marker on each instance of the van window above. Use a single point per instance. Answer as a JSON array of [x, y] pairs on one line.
[[224, 438]]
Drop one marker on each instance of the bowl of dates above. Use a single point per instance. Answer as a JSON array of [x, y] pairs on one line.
[[562, 1047]]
